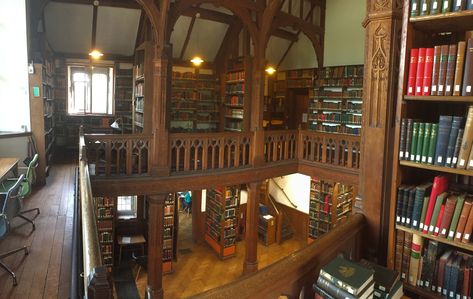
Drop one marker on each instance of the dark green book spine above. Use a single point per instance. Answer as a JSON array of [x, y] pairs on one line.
[[410, 124], [420, 141], [410, 207], [446, 6], [424, 7], [426, 144], [432, 143], [402, 139], [435, 7], [456, 124], [458, 144], [445, 124], [425, 204], [414, 8], [415, 133], [455, 217], [417, 209]]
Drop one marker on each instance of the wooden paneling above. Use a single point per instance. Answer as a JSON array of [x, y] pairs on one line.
[[298, 220]]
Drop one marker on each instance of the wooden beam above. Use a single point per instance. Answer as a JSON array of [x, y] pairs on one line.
[[207, 14], [141, 29], [285, 34], [110, 3], [232, 34], [94, 27], [113, 57], [188, 35]]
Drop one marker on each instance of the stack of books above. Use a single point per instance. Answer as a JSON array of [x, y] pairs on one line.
[[344, 279]]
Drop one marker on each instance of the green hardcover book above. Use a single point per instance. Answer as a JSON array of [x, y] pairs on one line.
[[424, 7], [426, 143], [425, 204], [435, 7], [432, 143], [446, 6], [415, 133], [456, 217], [347, 275], [414, 8], [438, 203], [420, 141]]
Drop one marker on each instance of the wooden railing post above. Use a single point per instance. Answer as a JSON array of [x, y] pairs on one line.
[[250, 264], [155, 245]]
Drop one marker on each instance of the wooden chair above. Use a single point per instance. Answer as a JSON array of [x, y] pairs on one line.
[[10, 203]]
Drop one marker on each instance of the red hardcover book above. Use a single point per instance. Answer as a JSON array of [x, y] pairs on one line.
[[440, 185], [429, 61], [439, 220], [411, 83], [420, 71]]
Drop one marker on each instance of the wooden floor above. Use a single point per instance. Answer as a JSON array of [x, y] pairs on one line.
[[202, 270], [45, 272]]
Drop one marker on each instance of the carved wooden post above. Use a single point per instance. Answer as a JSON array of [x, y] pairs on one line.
[[100, 284], [155, 245], [252, 214], [383, 31]]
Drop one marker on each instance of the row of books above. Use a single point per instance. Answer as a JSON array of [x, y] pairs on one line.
[[235, 88], [434, 266], [336, 117], [334, 128], [433, 7], [445, 70], [447, 143], [331, 93], [432, 209], [345, 279], [348, 71]]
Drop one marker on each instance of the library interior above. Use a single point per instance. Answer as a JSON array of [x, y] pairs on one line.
[[236, 149]]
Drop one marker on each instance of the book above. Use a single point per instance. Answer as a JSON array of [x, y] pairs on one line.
[[425, 204], [446, 6], [457, 82], [347, 275], [456, 216], [420, 192], [468, 69], [442, 70], [447, 274], [402, 145], [406, 256], [405, 204], [320, 293], [440, 185], [432, 143], [447, 215], [340, 293], [444, 258], [414, 8], [399, 250], [424, 7], [416, 249], [435, 7], [457, 122], [396, 293], [435, 214], [450, 74], [411, 82], [462, 221], [420, 141], [414, 138], [420, 71], [468, 228], [467, 140], [410, 125], [410, 206], [445, 125], [425, 143], [435, 70], [400, 203], [439, 220], [429, 60], [456, 152], [384, 279], [459, 5]]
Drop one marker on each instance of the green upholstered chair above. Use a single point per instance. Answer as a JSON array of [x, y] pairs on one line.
[[26, 187], [10, 205]]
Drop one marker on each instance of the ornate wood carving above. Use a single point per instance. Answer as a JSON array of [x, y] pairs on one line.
[[378, 76]]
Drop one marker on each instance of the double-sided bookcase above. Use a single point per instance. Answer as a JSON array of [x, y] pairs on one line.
[[235, 91], [336, 100], [105, 208], [329, 204], [124, 97], [222, 206], [169, 232], [415, 253]]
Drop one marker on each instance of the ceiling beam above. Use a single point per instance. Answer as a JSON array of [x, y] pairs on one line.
[[207, 14], [94, 27], [112, 57], [110, 3], [281, 33], [188, 36]]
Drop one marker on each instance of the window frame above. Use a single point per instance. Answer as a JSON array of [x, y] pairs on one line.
[[128, 213], [110, 103]]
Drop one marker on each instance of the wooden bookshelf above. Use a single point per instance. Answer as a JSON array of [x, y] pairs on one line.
[[445, 22], [143, 89], [443, 99], [124, 97], [234, 95], [267, 229], [105, 211], [436, 168], [169, 233]]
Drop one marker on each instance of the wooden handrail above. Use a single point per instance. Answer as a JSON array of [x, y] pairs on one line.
[[96, 277], [297, 272]]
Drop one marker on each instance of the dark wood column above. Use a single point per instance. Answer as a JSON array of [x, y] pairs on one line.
[[382, 47], [252, 213], [155, 246], [198, 218]]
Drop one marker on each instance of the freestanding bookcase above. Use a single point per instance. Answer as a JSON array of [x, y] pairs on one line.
[[105, 208]]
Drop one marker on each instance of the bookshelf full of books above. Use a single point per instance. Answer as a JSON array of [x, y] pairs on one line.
[[142, 89], [329, 204], [431, 213], [234, 96], [336, 100], [124, 97], [105, 208], [169, 246], [222, 205]]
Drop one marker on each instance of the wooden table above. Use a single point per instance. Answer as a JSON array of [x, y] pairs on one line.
[[7, 165], [130, 241]]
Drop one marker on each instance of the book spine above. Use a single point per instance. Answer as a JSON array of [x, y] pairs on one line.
[[455, 217], [462, 221], [435, 70], [417, 209], [467, 140], [458, 144], [429, 61], [425, 203], [414, 8], [410, 207], [456, 124], [468, 228], [400, 194], [439, 220], [406, 256], [451, 62], [420, 71], [468, 69], [459, 5], [432, 143], [435, 214], [416, 249], [442, 70], [424, 7], [333, 290], [415, 131], [341, 284], [435, 7], [411, 82], [420, 141], [405, 203], [446, 6], [321, 293], [426, 145], [445, 124], [403, 137], [439, 186], [410, 124], [399, 250], [457, 82], [447, 216]]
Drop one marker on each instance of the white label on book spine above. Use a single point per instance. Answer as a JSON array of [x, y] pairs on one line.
[[413, 157], [449, 160], [445, 4], [459, 2], [439, 159], [444, 231], [424, 7], [407, 155], [431, 228], [403, 275], [457, 87], [410, 89], [466, 237], [421, 226], [403, 220], [444, 292], [382, 288], [440, 87], [458, 296], [462, 162], [447, 88], [434, 6], [427, 283], [439, 289], [414, 6], [451, 294], [468, 88], [454, 160], [401, 154], [424, 158], [398, 219], [459, 235], [451, 234], [408, 220], [471, 163], [426, 89], [414, 222], [429, 160], [377, 294], [437, 230], [420, 283], [417, 89], [464, 297], [434, 88]]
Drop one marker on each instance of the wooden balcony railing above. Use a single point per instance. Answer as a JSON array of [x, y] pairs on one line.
[[97, 282], [332, 149], [209, 151], [280, 145], [119, 154]]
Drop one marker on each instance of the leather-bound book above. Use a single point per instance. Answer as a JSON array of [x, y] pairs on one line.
[[399, 203], [456, 152], [435, 70], [420, 71], [468, 228], [429, 61], [410, 206], [421, 191], [411, 81], [424, 7], [442, 262], [451, 63], [457, 122], [462, 221], [402, 138], [405, 204], [440, 185], [420, 141], [447, 215], [442, 70], [415, 8], [456, 217], [399, 248], [436, 213], [410, 124], [467, 140], [439, 220], [432, 143], [445, 125], [435, 7], [426, 143], [406, 256], [467, 88], [415, 136], [425, 204], [459, 5], [457, 82], [446, 6], [416, 249]]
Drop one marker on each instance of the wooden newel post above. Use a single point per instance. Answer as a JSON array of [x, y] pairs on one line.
[[99, 284], [155, 246], [257, 104], [252, 216]]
